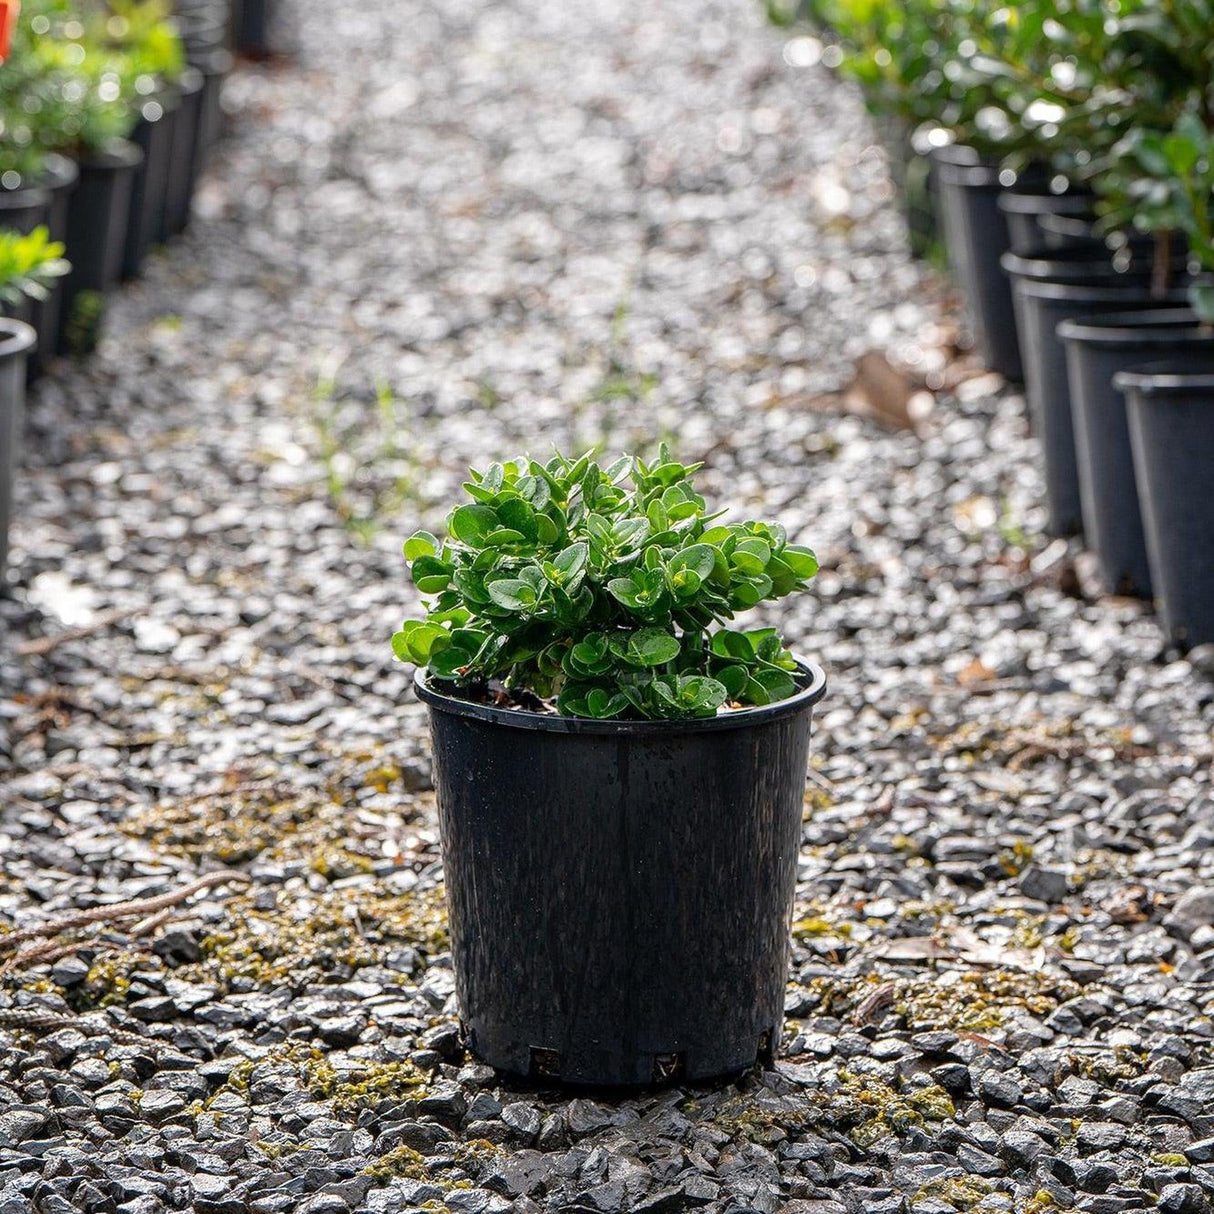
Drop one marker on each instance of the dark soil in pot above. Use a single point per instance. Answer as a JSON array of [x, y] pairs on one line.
[[620, 892], [17, 340], [1024, 212], [1171, 416], [97, 223], [1096, 350], [153, 135], [179, 192], [976, 235], [1047, 292]]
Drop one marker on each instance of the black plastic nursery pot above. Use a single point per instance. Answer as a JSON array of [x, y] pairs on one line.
[[179, 191], [60, 177], [975, 236], [97, 223], [1024, 212], [1096, 350], [1048, 290], [214, 66], [619, 892], [153, 135], [1171, 415], [204, 28], [17, 340], [251, 27], [25, 208], [910, 172]]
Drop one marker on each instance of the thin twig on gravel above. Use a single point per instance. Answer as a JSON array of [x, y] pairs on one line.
[[41, 646], [53, 1022], [140, 908]]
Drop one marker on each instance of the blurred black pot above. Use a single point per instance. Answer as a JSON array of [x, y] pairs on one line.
[[1051, 288], [179, 192], [153, 135], [976, 236], [96, 227], [17, 339], [1171, 414], [1096, 350]]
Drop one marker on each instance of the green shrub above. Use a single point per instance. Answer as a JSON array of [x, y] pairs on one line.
[[78, 74], [599, 589], [29, 265]]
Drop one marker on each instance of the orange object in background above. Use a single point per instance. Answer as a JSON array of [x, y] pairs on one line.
[[8, 23]]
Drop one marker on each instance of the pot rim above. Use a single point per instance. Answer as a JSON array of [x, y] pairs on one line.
[[33, 194], [61, 172], [1151, 327], [1078, 263], [805, 698], [118, 154], [16, 337], [1162, 379], [1029, 202], [1133, 287]]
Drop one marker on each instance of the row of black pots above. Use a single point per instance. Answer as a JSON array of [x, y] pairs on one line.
[[986, 211], [1086, 324], [112, 206], [1052, 287], [1051, 304]]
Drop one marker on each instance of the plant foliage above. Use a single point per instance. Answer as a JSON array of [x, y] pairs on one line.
[[78, 74], [29, 265], [602, 589]]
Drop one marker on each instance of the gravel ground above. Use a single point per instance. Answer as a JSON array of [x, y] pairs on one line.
[[436, 241]]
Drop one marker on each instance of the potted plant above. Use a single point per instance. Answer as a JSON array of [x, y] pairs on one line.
[[72, 93], [1161, 181], [148, 52], [1076, 284], [620, 776], [1171, 422], [1131, 71], [179, 192], [1171, 402], [29, 266], [958, 81]]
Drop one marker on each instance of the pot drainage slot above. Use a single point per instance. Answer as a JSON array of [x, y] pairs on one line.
[[765, 1052], [668, 1066], [545, 1064]]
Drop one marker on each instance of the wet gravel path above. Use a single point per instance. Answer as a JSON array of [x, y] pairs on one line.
[[432, 240]]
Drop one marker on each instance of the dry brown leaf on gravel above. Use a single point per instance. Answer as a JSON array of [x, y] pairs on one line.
[[886, 393]]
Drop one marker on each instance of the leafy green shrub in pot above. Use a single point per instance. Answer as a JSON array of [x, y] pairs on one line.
[[597, 588], [1163, 181], [29, 267], [620, 776], [59, 93]]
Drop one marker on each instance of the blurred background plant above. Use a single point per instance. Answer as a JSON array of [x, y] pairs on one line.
[[77, 75], [29, 266], [1116, 96]]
